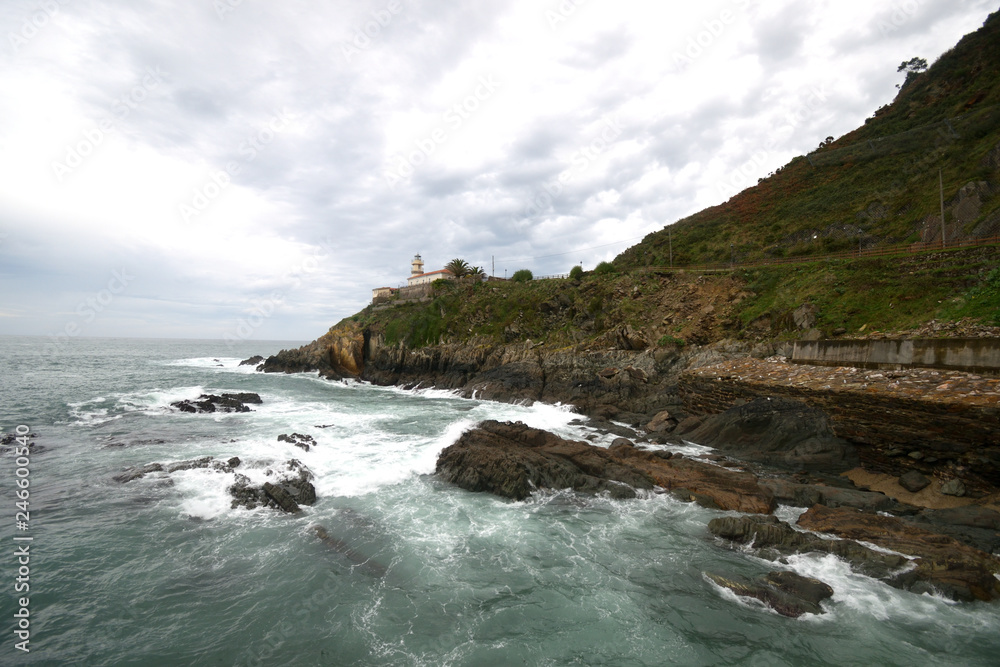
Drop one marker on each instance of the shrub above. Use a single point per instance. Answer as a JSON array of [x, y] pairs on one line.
[[670, 340], [522, 276], [605, 268], [576, 273]]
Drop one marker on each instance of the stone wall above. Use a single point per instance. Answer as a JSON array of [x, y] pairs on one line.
[[920, 418], [978, 355]]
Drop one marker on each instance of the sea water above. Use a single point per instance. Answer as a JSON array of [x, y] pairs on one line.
[[162, 571]]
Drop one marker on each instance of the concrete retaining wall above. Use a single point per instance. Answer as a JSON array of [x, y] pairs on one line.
[[976, 355]]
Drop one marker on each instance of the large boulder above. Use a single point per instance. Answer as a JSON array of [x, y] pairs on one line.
[[512, 460], [779, 432]]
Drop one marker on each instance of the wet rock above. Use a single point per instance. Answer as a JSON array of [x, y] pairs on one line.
[[779, 432], [943, 563], [246, 495], [787, 593], [202, 462], [234, 462], [350, 551], [774, 539], [913, 481], [11, 441], [224, 403], [511, 460], [299, 440], [252, 361], [138, 473], [807, 495], [281, 498]]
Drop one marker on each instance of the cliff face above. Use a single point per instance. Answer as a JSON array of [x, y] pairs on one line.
[[337, 354], [627, 385]]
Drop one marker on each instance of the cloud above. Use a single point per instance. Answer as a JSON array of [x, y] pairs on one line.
[[308, 150]]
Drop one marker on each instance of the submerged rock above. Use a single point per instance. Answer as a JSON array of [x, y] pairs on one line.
[[787, 593], [299, 440]]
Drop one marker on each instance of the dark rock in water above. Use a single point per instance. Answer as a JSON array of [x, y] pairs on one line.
[[607, 427], [252, 361], [913, 481], [282, 498], [203, 462], [297, 439], [787, 593], [138, 473], [234, 462], [774, 539], [245, 397], [246, 495], [134, 443], [943, 563], [779, 432], [346, 549], [512, 460], [223, 403], [12, 441]]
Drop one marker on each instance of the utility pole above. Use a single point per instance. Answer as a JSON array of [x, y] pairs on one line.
[[493, 266], [941, 185]]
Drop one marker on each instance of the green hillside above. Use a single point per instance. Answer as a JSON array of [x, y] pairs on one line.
[[877, 185]]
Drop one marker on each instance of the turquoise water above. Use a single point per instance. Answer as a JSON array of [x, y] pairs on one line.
[[160, 571]]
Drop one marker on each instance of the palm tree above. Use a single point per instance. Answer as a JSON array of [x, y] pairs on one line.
[[458, 267], [476, 274]]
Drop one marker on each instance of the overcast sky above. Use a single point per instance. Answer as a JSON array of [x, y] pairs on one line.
[[252, 169]]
